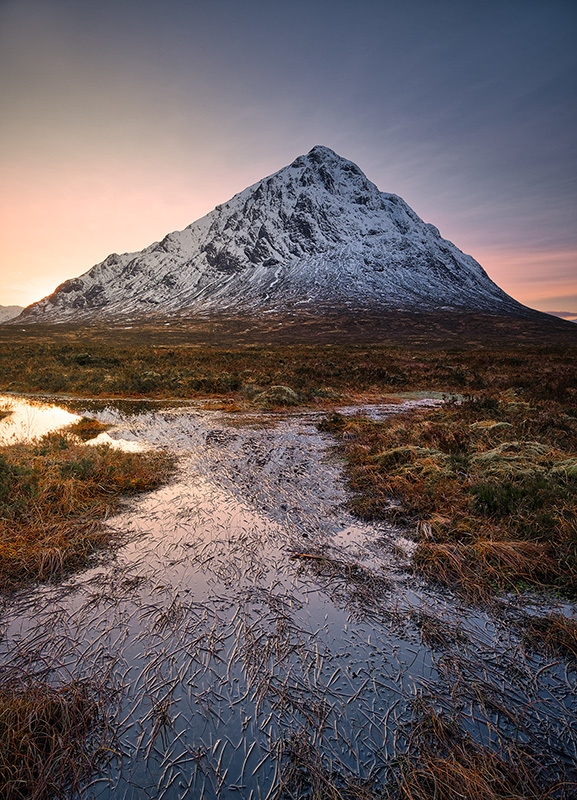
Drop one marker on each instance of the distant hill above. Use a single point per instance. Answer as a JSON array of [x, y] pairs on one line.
[[570, 316], [9, 312]]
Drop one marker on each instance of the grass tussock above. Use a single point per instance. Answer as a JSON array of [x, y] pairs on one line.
[[555, 634], [489, 485], [51, 737], [53, 493], [443, 763], [87, 428]]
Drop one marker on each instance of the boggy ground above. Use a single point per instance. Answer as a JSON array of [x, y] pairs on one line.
[[252, 637], [362, 358], [54, 493], [460, 473], [488, 483]]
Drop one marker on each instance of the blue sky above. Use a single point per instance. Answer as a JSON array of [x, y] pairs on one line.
[[121, 121]]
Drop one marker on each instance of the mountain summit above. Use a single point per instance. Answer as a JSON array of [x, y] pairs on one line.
[[316, 234]]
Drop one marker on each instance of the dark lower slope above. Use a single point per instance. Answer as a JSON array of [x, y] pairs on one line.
[[433, 329]]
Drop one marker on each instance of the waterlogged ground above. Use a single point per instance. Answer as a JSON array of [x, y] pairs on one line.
[[251, 623]]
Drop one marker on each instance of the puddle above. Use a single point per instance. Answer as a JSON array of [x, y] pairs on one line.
[[250, 611], [30, 419]]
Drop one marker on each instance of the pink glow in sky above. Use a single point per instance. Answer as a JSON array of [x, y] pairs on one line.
[[120, 122]]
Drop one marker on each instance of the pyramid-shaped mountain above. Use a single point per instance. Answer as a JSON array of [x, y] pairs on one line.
[[317, 234]]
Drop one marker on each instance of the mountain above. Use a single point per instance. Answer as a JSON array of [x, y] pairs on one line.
[[316, 234], [9, 312]]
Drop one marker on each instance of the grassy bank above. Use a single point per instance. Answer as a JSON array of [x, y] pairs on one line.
[[53, 494], [488, 486]]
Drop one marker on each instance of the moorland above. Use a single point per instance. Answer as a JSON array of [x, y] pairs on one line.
[[485, 483]]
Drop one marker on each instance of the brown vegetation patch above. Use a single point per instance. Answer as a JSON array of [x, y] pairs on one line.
[[443, 763], [173, 362], [53, 493], [87, 428], [51, 737], [554, 633], [489, 484]]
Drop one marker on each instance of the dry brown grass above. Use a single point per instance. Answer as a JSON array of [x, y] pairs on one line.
[[50, 737], [87, 428], [141, 362], [444, 763], [554, 633], [52, 495], [489, 486]]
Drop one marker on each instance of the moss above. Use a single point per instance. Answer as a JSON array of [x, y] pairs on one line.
[[277, 396]]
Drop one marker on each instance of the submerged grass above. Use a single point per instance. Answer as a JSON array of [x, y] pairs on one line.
[[488, 483], [53, 494], [442, 762], [51, 737]]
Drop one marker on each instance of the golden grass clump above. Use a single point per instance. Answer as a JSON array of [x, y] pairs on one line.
[[53, 493], [555, 633], [488, 484], [87, 428], [444, 763], [51, 737]]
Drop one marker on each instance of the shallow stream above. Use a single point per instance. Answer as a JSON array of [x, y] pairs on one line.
[[231, 651]]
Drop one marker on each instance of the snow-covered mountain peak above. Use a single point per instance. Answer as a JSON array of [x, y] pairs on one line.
[[316, 233]]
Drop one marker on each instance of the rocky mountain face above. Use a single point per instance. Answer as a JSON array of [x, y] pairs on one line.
[[316, 234]]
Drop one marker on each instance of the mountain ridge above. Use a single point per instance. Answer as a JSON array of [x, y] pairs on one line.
[[316, 233]]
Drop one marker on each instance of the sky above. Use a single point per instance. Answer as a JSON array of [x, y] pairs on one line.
[[122, 120]]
